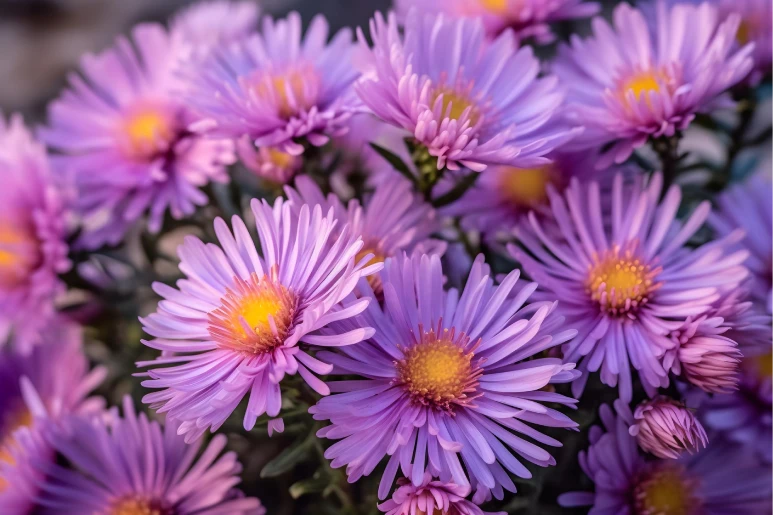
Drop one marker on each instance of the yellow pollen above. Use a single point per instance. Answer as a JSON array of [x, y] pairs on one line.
[[455, 103], [135, 506], [253, 317], [666, 491], [495, 6], [641, 83], [23, 418], [294, 90], [280, 159], [619, 282], [760, 366], [745, 31], [526, 186], [19, 253], [438, 371], [148, 131]]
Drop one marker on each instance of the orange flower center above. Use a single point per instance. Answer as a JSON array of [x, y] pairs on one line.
[[438, 370], [526, 186], [294, 90], [760, 367], [19, 253], [619, 281], [139, 506], [666, 490], [22, 418], [255, 316], [147, 131], [495, 6]]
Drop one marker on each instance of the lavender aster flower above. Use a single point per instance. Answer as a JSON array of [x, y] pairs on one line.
[[393, 220], [24, 465], [529, 18], [132, 465], [208, 23], [756, 27], [268, 163], [32, 236], [750, 207], [666, 428], [636, 81], [123, 115], [233, 326], [625, 280], [469, 101], [446, 375], [718, 480], [429, 497], [275, 87]]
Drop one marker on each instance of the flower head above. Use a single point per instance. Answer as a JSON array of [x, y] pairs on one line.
[[639, 80], [209, 23], [233, 326], [132, 465], [722, 478], [33, 250], [446, 373], [527, 18], [624, 276], [429, 497], [24, 465], [666, 428], [268, 163], [755, 27], [392, 221], [275, 87], [122, 114], [469, 101]]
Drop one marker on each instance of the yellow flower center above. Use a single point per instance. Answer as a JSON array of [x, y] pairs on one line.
[[438, 370], [759, 366], [138, 506], [640, 83], [253, 317], [23, 418], [148, 131], [293, 90], [454, 104], [279, 158], [619, 281], [19, 253], [666, 490], [746, 31], [495, 6], [526, 186]]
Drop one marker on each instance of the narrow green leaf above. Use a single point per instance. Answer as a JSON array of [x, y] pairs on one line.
[[288, 458], [394, 160], [457, 191], [308, 486]]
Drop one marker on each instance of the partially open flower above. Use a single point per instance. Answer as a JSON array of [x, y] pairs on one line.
[[666, 428]]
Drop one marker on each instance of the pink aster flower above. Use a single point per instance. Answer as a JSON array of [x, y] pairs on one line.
[[666, 428], [624, 275], [718, 480], [232, 327], [33, 250], [393, 220], [429, 497], [268, 163], [527, 18], [208, 23], [24, 465], [637, 80], [122, 132], [756, 27], [276, 87], [449, 384], [471, 102], [132, 465]]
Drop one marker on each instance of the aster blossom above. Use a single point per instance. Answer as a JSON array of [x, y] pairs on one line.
[[33, 229], [666, 428], [235, 322], [528, 19], [206, 24], [625, 279], [718, 480], [472, 103], [131, 464], [637, 80], [444, 381], [755, 27], [275, 87], [431, 496], [122, 114]]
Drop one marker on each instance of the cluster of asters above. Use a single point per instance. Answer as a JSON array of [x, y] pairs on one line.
[[450, 374]]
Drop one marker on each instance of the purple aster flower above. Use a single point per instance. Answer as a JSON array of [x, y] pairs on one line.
[[123, 115], [429, 497], [275, 87], [393, 220], [527, 18], [133, 465], [666, 428], [720, 479], [756, 27], [624, 275], [46, 384], [232, 328], [639, 80], [469, 101], [446, 375], [750, 207], [32, 236], [745, 416], [268, 163], [209, 23]]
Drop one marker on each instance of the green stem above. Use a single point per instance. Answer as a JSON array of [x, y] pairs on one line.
[[667, 149]]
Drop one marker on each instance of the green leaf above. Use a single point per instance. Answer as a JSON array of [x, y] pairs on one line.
[[394, 160], [457, 191], [288, 458], [308, 486]]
